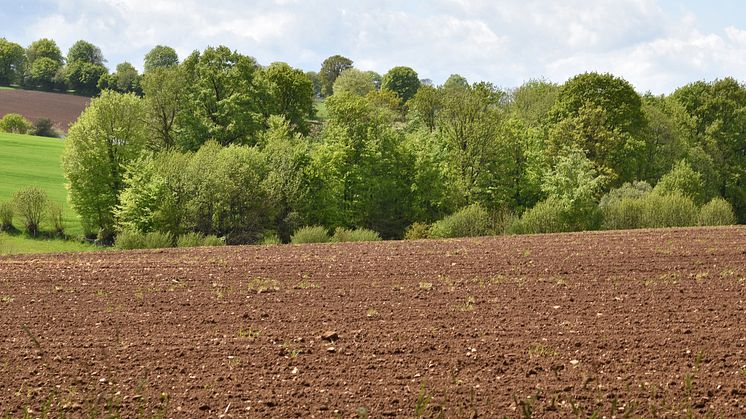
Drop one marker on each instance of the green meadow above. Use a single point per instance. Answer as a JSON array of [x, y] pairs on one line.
[[28, 160]]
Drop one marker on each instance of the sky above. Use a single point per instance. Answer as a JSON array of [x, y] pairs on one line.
[[657, 45]]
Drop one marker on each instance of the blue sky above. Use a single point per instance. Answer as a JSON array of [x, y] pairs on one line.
[[657, 45]]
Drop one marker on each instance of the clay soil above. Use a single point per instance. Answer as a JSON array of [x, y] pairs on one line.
[[629, 323], [62, 109]]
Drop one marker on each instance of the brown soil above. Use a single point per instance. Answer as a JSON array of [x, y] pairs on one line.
[[62, 109], [614, 323]]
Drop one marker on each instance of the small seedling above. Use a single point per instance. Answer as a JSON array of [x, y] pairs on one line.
[[7, 299], [698, 360], [423, 402], [542, 351], [261, 285], [251, 333], [372, 313], [426, 286], [468, 305], [305, 284], [291, 350]]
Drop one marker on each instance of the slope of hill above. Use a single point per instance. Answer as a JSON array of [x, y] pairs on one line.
[[28, 160], [63, 109]]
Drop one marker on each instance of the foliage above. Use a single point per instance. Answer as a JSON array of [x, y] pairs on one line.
[[532, 101], [717, 212], [417, 231], [12, 60], [6, 216], [159, 57], [469, 221], [213, 240], [681, 179], [43, 61], [401, 80], [548, 216], [125, 79], [425, 105], [289, 93], [15, 124], [671, 210], [44, 127], [83, 51], [83, 76], [310, 234], [331, 68], [354, 81], [105, 139], [129, 239], [165, 96], [633, 190], [342, 235], [157, 240], [56, 219], [30, 203], [191, 239]]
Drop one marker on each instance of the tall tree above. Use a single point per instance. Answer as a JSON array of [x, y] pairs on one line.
[[289, 93], [331, 68], [165, 94], [43, 62], [403, 81], [12, 58], [160, 56], [221, 101], [354, 81], [106, 138], [86, 52]]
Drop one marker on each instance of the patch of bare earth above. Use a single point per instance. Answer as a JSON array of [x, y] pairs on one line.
[[647, 322], [62, 109]]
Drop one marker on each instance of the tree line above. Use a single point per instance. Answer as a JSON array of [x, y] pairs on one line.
[[217, 144]]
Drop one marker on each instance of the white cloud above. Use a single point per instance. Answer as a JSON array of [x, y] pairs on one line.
[[656, 48]]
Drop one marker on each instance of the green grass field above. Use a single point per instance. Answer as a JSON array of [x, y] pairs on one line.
[[28, 160]]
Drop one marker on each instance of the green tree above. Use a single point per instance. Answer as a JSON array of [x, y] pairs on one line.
[[124, 80], [222, 102], [86, 52], [15, 123], [425, 105], [12, 59], [354, 81], [289, 94], [456, 81], [107, 137], [684, 180], [315, 82], [44, 48], [376, 78], [403, 81], [331, 68], [31, 203], [83, 76], [42, 73], [165, 94], [160, 56], [532, 101]]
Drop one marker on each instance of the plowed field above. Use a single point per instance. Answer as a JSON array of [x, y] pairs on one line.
[[62, 109], [648, 322]]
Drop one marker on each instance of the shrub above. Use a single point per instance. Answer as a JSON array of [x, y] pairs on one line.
[[44, 127], [358, 235], [158, 240], [717, 212], [502, 220], [310, 234], [30, 203], [471, 221], [548, 216], [130, 239], [15, 123], [636, 189], [682, 179], [623, 214], [417, 231], [6, 216], [672, 210], [54, 212], [270, 238], [213, 240], [191, 239]]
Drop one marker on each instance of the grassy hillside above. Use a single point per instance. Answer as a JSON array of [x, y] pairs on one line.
[[28, 160]]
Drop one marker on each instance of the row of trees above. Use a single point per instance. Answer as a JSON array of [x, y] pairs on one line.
[[220, 145]]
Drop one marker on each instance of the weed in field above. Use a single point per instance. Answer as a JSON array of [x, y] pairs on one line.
[[426, 286], [468, 305], [423, 402], [372, 313], [7, 299], [261, 285], [526, 253], [542, 351], [698, 360], [291, 350], [743, 371], [250, 333], [305, 284], [362, 412]]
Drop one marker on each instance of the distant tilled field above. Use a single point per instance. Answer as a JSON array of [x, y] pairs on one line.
[[623, 323], [61, 108]]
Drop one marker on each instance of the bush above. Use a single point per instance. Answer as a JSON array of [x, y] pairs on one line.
[[624, 214], [684, 180], [30, 203], [310, 234], [672, 210], [190, 240], [269, 239], [130, 239], [158, 240], [471, 221], [548, 216], [54, 212], [15, 123], [358, 235], [636, 189], [6, 216], [717, 212], [213, 240], [417, 231], [44, 127]]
